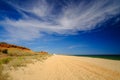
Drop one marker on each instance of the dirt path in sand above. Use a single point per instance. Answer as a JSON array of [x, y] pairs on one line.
[[69, 68]]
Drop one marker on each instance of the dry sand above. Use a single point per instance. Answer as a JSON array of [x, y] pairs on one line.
[[60, 67]]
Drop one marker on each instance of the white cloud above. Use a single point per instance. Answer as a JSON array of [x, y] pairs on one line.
[[72, 19], [39, 7]]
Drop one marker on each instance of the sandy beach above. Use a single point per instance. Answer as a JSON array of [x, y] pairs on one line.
[[59, 67]]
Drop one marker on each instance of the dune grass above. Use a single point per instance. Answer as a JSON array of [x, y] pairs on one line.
[[5, 60], [16, 52], [22, 61], [13, 56], [3, 75], [14, 62]]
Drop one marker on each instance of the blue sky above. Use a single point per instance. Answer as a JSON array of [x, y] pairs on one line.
[[62, 26]]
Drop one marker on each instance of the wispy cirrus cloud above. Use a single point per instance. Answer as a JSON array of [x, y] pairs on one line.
[[37, 18], [77, 46]]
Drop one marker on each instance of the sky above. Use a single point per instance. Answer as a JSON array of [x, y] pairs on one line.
[[73, 27]]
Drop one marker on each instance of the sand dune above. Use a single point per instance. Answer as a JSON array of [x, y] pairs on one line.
[[60, 67]]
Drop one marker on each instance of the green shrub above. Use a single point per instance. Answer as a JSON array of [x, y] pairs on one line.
[[18, 52], [5, 60], [5, 51], [3, 43]]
